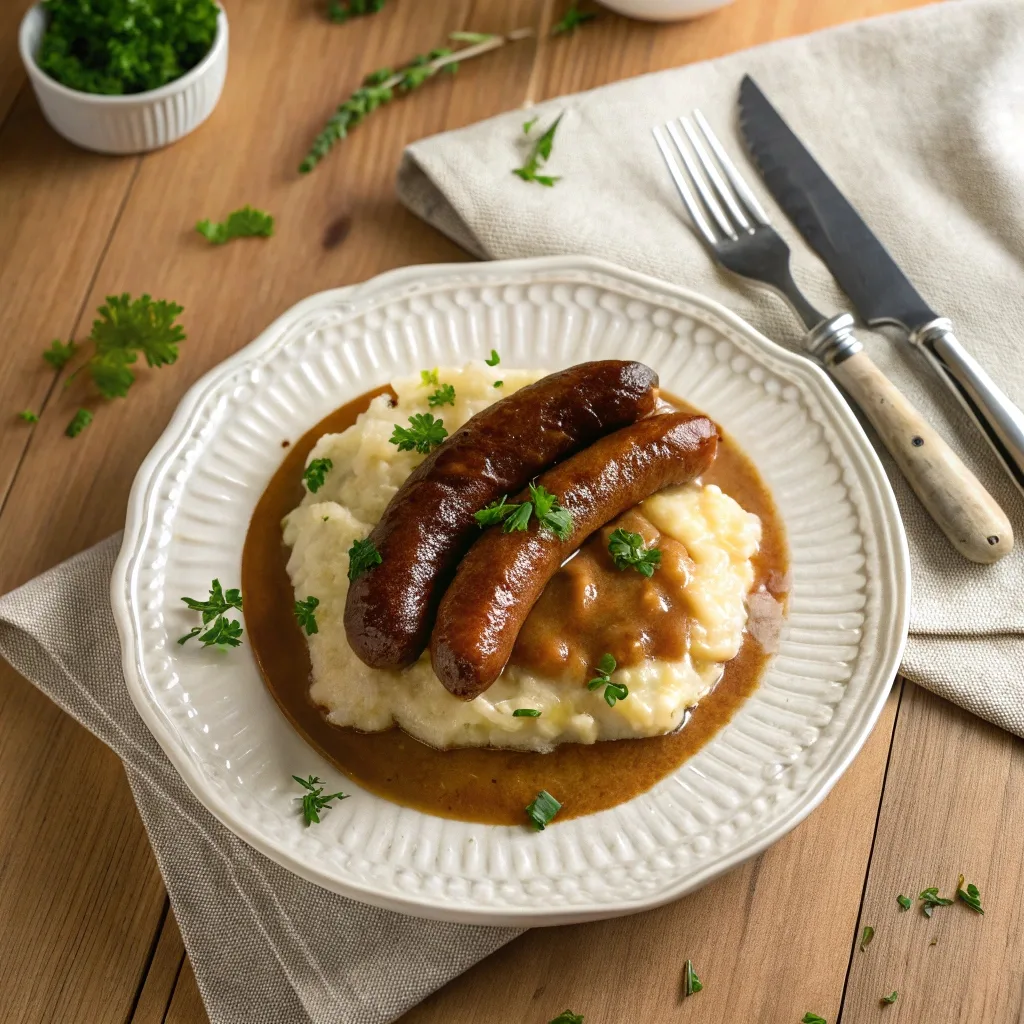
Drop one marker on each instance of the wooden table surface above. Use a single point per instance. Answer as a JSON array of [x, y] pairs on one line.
[[86, 933]]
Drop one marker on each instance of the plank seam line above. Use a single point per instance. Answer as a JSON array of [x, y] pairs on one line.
[[150, 956], [14, 102], [174, 988], [871, 852]]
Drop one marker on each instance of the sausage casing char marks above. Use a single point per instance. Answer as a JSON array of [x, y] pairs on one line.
[[503, 575], [428, 525]]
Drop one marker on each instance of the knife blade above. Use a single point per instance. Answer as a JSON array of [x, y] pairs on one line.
[[878, 288]]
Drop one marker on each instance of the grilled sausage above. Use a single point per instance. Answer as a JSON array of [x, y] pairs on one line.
[[428, 525], [498, 582]]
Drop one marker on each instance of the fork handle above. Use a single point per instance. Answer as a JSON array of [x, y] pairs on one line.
[[965, 512]]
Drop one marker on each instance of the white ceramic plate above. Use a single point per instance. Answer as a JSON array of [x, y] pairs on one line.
[[764, 772]]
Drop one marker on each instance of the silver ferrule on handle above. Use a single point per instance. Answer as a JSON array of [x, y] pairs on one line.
[[997, 417], [832, 340]]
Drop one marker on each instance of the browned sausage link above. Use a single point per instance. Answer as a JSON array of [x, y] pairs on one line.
[[428, 525], [504, 573]]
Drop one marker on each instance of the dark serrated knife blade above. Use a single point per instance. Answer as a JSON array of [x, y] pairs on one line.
[[867, 273]]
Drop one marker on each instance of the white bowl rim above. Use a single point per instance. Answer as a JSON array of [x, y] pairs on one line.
[[439, 909], [105, 99]]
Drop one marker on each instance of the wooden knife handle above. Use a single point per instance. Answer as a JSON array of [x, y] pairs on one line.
[[965, 512]]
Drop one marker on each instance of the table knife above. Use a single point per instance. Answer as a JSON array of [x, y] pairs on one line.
[[879, 290]]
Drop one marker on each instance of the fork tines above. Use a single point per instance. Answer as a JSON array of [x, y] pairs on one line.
[[725, 197]]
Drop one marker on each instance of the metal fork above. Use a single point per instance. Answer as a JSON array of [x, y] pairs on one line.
[[747, 244]]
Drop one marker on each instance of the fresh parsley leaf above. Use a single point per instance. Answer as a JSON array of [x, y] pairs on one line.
[[539, 155], [362, 557], [891, 997], [314, 800], [428, 378], [340, 12], [519, 519], [627, 549], [904, 901], [444, 395], [812, 1018], [550, 513], [543, 500], [316, 472], [613, 692], [28, 416], [497, 512], [691, 982], [971, 897], [223, 632], [606, 664], [216, 604], [495, 358], [526, 713], [571, 20], [568, 1017], [304, 614], [866, 936], [78, 423], [244, 223], [59, 354], [423, 434], [527, 128], [931, 899], [542, 810], [499, 383]]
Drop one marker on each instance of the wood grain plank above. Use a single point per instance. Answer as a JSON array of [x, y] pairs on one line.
[[12, 74], [162, 974], [954, 803]]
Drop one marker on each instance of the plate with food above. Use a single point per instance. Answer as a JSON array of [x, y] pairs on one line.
[[511, 593]]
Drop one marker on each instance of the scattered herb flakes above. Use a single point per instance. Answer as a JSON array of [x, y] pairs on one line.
[[613, 692], [691, 983], [542, 810], [325, 518], [444, 395], [223, 632], [59, 354], [812, 1018], [866, 936], [519, 520], [244, 223], [972, 897], [539, 154], [904, 901], [423, 433], [28, 416], [550, 513], [627, 549], [315, 474], [494, 357], [931, 899], [362, 557], [497, 512], [428, 378], [339, 11], [568, 1017], [315, 800], [78, 423], [934, 942], [498, 383], [571, 20], [516, 516], [891, 997], [304, 614], [526, 713]]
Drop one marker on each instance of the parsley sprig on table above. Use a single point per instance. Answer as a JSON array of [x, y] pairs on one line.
[[891, 997], [78, 423], [244, 223], [539, 154], [28, 416], [627, 549], [866, 936], [571, 20], [60, 353], [691, 983], [905, 902], [972, 897], [812, 1018], [568, 1017], [931, 899], [217, 629], [314, 800], [305, 615], [115, 48], [613, 692], [362, 557], [515, 516], [340, 11]]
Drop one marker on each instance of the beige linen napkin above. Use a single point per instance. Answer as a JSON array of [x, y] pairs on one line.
[[919, 118]]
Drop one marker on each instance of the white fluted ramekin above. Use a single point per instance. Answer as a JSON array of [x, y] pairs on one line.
[[135, 123]]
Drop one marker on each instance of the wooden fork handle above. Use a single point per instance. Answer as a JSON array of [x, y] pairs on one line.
[[965, 512]]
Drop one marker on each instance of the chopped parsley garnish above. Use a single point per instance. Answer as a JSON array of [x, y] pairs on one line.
[[691, 983], [538, 155], [612, 691], [28, 416], [812, 1018], [362, 557], [516, 516], [526, 713], [543, 810], [866, 936], [971, 897], [571, 20], [423, 433], [223, 632], [494, 513], [627, 549], [304, 613], [78, 423], [495, 358], [339, 11], [428, 378], [931, 899], [315, 800], [244, 223], [444, 395], [568, 1017], [550, 513], [527, 128], [316, 472], [904, 901], [499, 383], [59, 354], [891, 997], [519, 519]]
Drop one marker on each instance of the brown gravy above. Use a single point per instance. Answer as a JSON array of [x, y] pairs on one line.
[[480, 784]]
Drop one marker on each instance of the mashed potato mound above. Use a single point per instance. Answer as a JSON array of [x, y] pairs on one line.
[[367, 470]]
